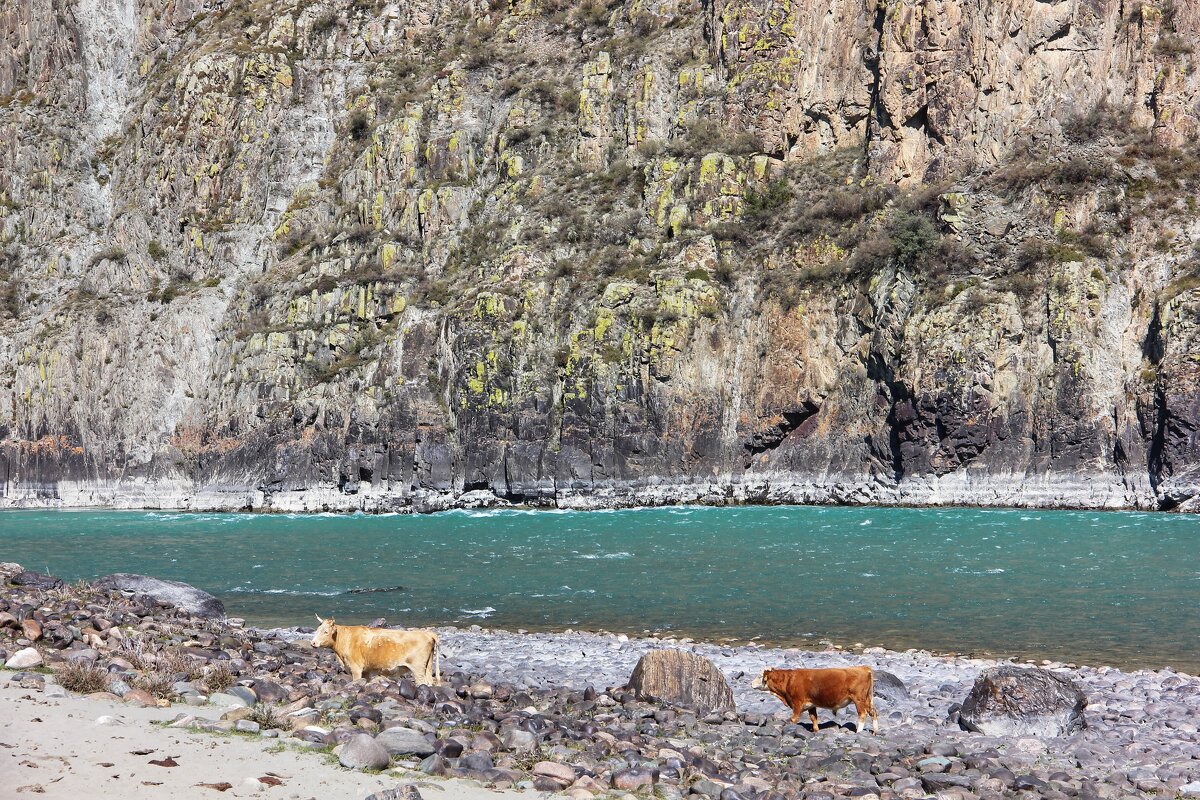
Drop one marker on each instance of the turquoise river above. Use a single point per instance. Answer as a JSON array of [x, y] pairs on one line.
[[1085, 587]]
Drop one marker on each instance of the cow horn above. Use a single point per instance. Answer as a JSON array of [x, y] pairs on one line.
[[318, 616]]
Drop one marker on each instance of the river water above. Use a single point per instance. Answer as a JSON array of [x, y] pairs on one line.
[[1087, 587]]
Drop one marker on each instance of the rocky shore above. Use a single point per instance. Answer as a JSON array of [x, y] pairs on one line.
[[552, 712], [1099, 491]]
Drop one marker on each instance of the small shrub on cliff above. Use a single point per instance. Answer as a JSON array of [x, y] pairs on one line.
[[783, 286], [774, 196], [111, 253], [1172, 45], [1067, 178], [359, 125], [294, 242], [324, 23], [1102, 119], [913, 235], [10, 296], [907, 239], [82, 677], [710, 136]]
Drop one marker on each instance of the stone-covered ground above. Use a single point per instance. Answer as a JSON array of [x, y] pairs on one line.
[[549, 711]]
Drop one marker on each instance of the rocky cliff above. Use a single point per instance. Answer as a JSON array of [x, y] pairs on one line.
[[357, 254]]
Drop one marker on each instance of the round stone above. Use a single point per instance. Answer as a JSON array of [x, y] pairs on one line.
[[24, 659], [361, 751]]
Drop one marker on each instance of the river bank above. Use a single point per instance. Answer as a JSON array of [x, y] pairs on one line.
[[1079, 491], [547, 711]]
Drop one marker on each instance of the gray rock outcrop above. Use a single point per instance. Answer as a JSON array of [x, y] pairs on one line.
[[679, 678], [175, 593], [1023, 701]]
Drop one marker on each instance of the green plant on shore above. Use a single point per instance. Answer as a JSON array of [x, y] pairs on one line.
[[268, 717]]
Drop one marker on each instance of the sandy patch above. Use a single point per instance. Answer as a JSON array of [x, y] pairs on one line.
[[55, 748]]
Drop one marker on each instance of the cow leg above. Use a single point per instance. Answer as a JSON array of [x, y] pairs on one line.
[[812, 713], [420, 676], [796, 715], [355, 672], [862, 715]]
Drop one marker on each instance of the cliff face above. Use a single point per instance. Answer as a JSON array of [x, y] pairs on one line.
[[355, 254]]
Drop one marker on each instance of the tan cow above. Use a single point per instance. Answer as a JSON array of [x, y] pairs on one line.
[[833, 688], [372, 650]]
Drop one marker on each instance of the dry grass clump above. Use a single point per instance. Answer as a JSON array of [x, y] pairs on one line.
[[134, 651], [174, 663], [218, 678], [82, 677], [268, 717], [157, 684]]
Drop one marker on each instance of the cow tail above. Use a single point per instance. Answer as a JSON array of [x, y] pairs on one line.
[[437, 660]]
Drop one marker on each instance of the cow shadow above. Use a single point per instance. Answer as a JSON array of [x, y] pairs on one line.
[[803, 729]]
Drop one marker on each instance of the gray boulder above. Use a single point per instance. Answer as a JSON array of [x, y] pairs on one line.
[[518, 741], [1023, 701], [679, 678], [24, 659], [408, 792], [7, 570], [35, 580], [889, 687], [363, 752], [184, 597], [404, 742]]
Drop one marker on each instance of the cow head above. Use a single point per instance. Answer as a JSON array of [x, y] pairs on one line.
[[325, 633], [763, 681]]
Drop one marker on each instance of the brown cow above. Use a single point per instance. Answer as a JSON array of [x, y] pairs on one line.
[[360, 649], [833, 688]]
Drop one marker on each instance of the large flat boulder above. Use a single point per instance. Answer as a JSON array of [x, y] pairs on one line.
[[35, 580], [684, 679], [1023, 701], [182, 596]]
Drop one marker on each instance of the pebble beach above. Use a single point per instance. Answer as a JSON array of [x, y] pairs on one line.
[[550, 712]]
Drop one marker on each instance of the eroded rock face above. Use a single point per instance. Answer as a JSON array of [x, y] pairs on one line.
[[174, 593], [422, 254], [1023, 701], [683, 679]]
